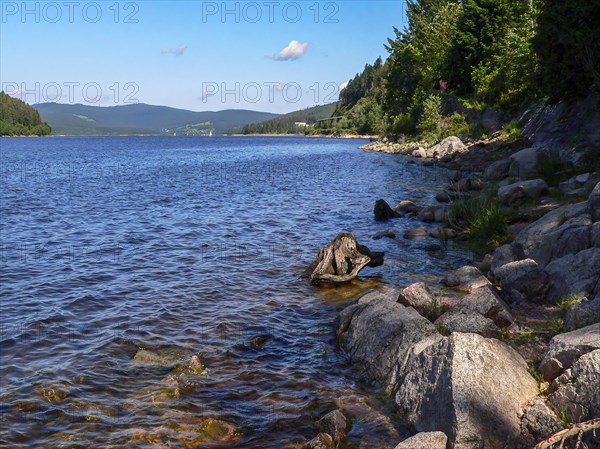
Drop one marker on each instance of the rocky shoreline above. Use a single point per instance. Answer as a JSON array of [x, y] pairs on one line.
[[509, 353]]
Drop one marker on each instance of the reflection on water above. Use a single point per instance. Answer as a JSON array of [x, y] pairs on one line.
[[152, 293]]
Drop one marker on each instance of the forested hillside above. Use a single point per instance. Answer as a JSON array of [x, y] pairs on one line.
[[477, 54], [287, 124], [19, 119]]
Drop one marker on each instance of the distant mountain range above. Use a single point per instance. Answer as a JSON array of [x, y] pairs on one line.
[[135, 119]]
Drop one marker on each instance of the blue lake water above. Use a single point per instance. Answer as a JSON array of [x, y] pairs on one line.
[[182, 247]]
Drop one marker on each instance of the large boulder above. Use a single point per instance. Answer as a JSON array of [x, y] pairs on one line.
[[576, 393], [465, 279], [379, 334], [447, 147], [594, 203], [539, 421], [497, 170], [471, 388], [525, 277], [565, 349], [563, 231], [425, 440], [382, 211], [522, 190], [575, 274], [583, 314], [522, 163]]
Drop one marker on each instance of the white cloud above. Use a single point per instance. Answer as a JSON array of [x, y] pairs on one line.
[[294, 50], [16, 93], [177, 51]]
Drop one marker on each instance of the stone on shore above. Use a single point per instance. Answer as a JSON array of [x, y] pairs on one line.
[[425, 440], [539, 422], [522, 163], [497, 170], [470, 387], [465, 279], [565, 349], [525, 277], [575, 274], [443, 233], [383, 211], [378, 335], [447, 147], [388, 234], [419, 297], [486, 302], [442, 197], [583, 314], [464, 320], [321, 441], [335, 424], [520, 191], [577, 391]]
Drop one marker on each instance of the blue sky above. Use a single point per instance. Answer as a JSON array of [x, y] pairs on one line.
[[275, 56]]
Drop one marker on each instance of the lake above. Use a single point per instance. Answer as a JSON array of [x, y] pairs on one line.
[[123, 257]]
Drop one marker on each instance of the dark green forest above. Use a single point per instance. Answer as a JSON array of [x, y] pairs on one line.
[[17, 118], [502, 54]]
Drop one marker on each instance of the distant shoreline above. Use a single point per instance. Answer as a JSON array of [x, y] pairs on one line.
[[322, 136]]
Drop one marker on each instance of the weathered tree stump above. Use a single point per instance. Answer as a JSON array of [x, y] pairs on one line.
[[342, 260]]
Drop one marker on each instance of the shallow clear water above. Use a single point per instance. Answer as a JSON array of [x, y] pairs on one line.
[[188, 246]]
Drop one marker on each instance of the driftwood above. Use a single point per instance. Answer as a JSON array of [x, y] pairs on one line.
[[577, 430], [342, 260]]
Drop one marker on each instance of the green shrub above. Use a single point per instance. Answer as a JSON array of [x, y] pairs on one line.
[[481, 219], [430, 121], [512, 131], [566, 302], [552, 168]]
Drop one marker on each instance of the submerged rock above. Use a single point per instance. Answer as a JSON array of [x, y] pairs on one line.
[[425, 440], [406, 207], [416, 233], [336, 424], [383, 211], [470, 387]]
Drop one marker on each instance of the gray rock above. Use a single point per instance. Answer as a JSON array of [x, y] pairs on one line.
[[419, 297], [416, 233], [563, 231], [383, 211], [525, 277], [519, 191], [425, 440], [440, 213], [406, 207], [539, 422], [486, 301], [575, 274], [469, 387], [448, 146], [442, 233], [498, 170], [380, 335], [522, 163], [565, 349], [464, 320], [419, 152], [577, 391], [594, 203], [583, 314], [595, 235], [427, 214], [583, 178], [335, 424], [389, 234], [442, 197], [486, 263], [321, 441], [466, 279], [501, 256]]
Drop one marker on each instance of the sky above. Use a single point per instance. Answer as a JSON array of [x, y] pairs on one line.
[[275, 56]]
